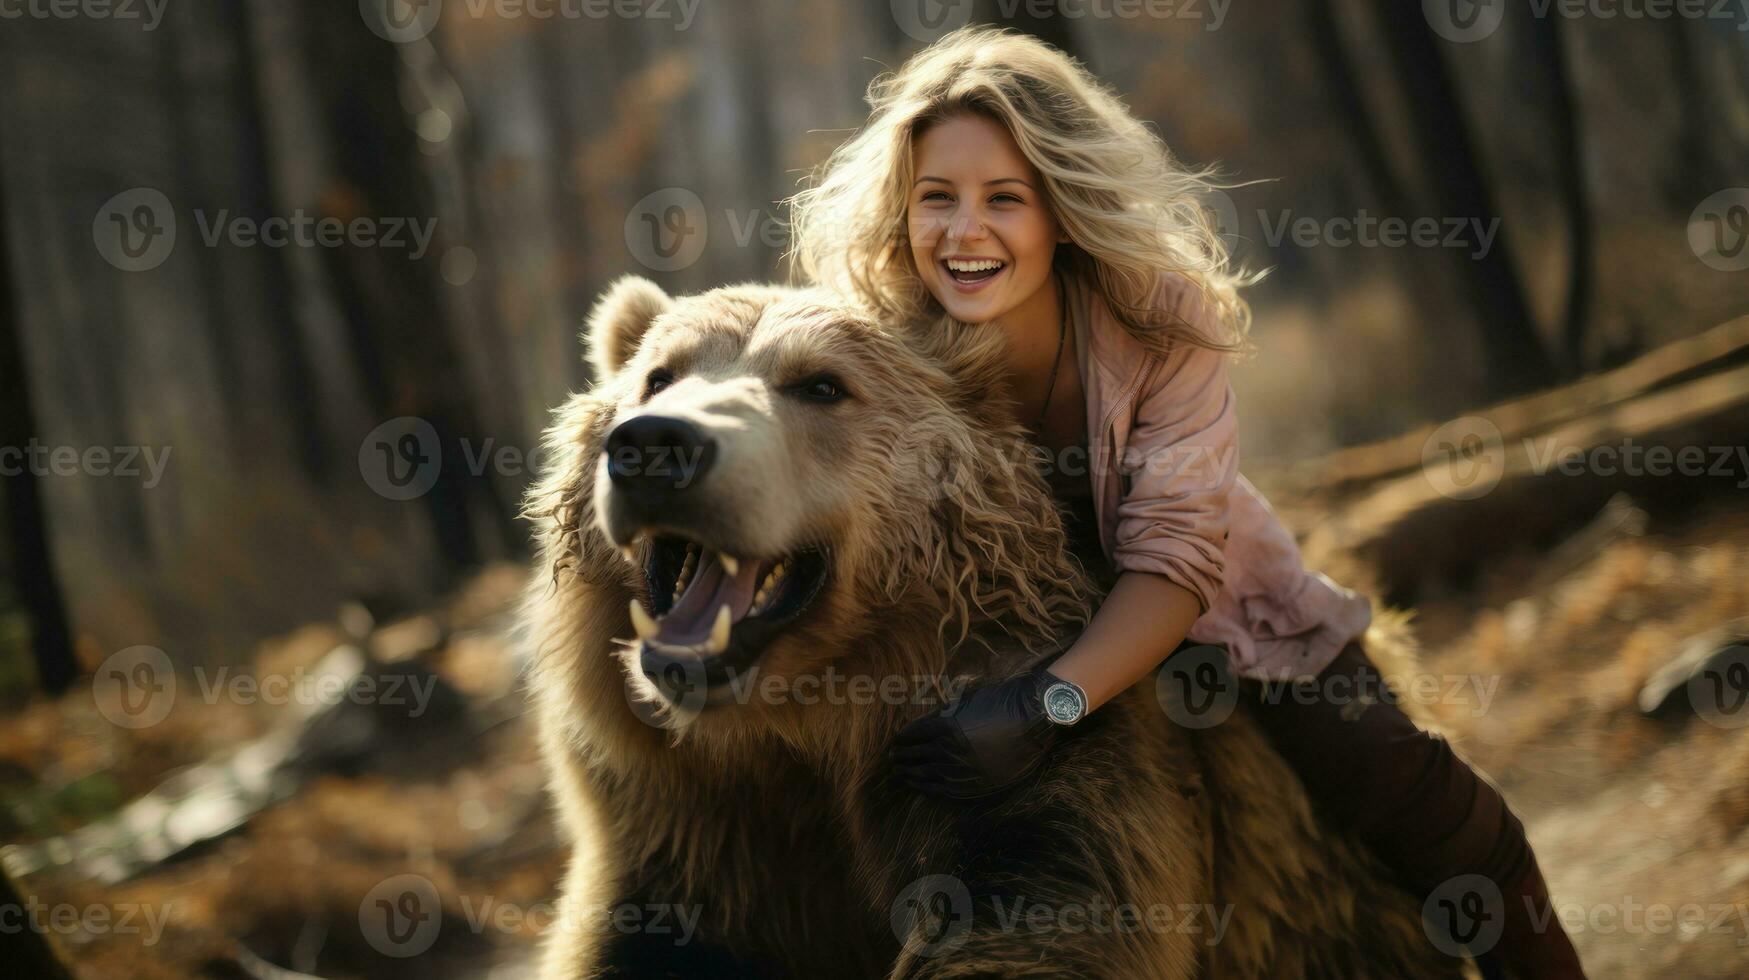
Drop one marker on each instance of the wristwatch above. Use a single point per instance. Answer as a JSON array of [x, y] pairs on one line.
[[1064, 701]]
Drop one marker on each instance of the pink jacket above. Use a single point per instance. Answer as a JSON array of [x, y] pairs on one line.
[[1163, 454]]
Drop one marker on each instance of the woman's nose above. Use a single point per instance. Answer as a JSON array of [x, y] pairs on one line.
[[965, 226]]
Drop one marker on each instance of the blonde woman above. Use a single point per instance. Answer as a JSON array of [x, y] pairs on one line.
[[997, 183]]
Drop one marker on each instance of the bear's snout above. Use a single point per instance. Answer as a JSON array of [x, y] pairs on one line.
[[658, 454]]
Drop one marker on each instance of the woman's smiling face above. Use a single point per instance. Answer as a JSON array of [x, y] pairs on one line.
[[981, 231]]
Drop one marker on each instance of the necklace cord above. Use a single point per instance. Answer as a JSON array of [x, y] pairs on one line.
[[1062, 335]]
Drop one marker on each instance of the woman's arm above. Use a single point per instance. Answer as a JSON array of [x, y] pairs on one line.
[[997, 734], [1143, 619]]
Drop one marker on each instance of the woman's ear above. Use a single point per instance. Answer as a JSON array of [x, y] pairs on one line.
[[619, 320]]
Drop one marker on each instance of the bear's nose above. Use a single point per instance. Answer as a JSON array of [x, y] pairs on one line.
[[658, 453]]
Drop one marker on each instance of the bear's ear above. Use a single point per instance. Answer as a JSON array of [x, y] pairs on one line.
[[618, 321]]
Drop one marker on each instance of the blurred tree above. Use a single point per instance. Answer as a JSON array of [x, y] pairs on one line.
[[24, 547]]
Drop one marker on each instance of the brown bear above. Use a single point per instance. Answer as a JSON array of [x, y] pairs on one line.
[[772, 533]]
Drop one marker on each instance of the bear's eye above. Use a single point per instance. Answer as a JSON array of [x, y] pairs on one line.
[[823, 388], [658, 379]]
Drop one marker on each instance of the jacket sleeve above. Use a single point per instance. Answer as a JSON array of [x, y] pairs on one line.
[[1179, 467]]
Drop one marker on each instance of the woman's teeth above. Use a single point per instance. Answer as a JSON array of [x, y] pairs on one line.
[[973, 270]]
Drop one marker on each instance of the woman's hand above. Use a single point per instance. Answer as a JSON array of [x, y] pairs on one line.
[[983, 743]]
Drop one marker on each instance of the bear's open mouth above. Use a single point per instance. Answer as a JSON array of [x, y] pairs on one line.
[[712, 614]]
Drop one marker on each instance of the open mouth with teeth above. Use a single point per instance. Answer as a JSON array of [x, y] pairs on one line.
[[712, 615], [970, 271]]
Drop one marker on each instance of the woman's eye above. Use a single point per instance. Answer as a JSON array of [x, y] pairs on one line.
[[657, 380], [1007, 198], [935, 196]]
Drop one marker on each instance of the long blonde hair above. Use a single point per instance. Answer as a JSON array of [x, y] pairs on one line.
[[1130, 209]]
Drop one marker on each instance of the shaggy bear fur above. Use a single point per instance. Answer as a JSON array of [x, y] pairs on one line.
[[772, 821]]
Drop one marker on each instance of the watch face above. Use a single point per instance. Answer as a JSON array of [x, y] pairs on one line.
[[1064, 703]]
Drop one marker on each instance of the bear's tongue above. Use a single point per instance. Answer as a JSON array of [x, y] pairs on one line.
[[690, 620]]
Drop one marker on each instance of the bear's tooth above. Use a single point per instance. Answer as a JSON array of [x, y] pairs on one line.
[[730, 564], [630, 555], [719, 638], [642, 622]]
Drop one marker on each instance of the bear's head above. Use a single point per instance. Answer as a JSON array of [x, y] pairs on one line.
[[767, 480]]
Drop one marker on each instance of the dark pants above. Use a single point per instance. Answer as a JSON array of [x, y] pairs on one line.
[[1420, 808]]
